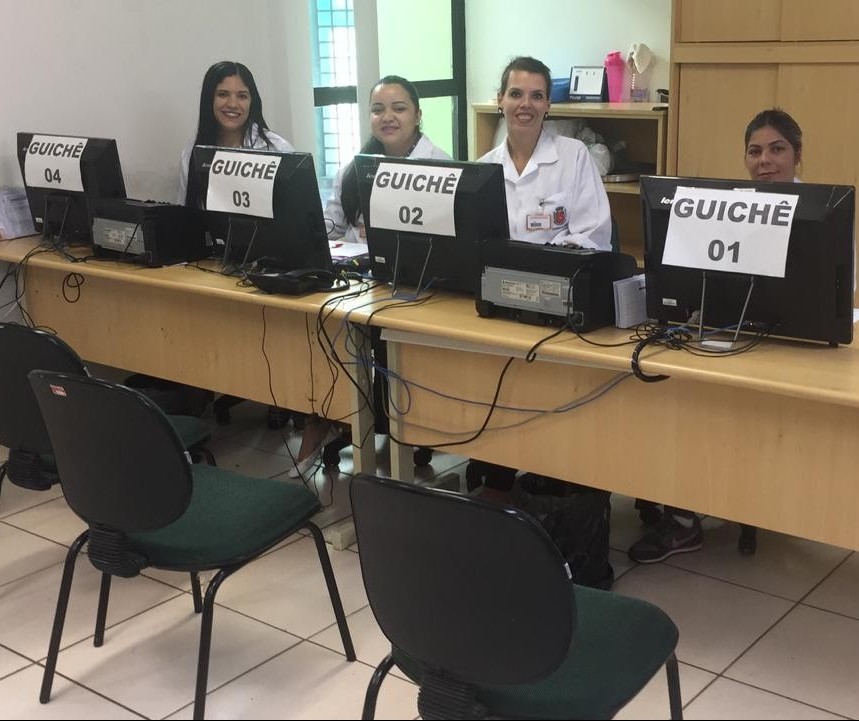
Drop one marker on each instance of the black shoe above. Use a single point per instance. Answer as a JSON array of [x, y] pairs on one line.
[[667, 538]]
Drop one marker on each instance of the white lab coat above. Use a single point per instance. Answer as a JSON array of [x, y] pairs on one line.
[[253, 141], [560, 194], [334, 208]]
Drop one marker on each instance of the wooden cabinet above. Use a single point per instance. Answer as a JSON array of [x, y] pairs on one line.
[[735, 21], [642, 128], [809, 66]]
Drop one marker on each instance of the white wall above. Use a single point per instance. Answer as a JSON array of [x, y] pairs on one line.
[[561, 33], [132, 70]]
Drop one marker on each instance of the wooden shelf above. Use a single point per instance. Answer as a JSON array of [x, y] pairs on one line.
[[642, 126]]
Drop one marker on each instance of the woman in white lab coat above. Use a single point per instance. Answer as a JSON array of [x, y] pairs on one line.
[[554, 191]]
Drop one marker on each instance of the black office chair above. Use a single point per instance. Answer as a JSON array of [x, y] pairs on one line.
[[146, 505], [481, 613], [22, 431]]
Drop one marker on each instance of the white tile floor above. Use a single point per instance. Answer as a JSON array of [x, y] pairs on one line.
[[775, 635]]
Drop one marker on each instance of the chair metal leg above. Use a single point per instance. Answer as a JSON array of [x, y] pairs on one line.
[[101, 614], [674, 699], [369, 711], [333, 593], [60, 616], [196, 592], [206, 639]]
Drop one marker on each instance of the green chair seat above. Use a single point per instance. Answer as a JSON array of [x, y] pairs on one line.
[[230, 517], [619, 645]]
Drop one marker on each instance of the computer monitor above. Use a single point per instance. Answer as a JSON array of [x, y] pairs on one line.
[[61, 173], [814, 299], [261, 206], [421, 256]]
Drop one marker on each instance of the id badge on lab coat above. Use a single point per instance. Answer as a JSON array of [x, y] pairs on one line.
[[538, 221]]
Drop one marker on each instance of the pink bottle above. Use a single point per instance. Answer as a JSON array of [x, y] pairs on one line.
[[615, 68]]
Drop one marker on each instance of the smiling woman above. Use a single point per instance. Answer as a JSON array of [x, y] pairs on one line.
[[395, 121], [230, 116], [554, 191]]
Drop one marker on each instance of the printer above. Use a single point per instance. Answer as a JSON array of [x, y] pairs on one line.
[[550, 284], [147, 232]]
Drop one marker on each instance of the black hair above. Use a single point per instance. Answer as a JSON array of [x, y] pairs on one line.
[[782, 122], [207, 125], [374, 146], [529, 65]]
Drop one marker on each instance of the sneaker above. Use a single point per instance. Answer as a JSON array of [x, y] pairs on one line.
[[667, 538]]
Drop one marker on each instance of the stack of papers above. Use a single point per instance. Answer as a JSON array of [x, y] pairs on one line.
[[630, 307], [344, 251], [15, 219]]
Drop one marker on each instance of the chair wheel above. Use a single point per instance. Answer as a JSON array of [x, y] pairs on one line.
[[423, 456]]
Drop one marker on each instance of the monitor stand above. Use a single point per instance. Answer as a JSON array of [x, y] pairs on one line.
[[242, 226], [722, 345], [55, 213], [395, 281]]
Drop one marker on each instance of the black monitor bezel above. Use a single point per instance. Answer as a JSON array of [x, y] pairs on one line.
[[480, 215], [813, 302], [101, 177], [280, 242]]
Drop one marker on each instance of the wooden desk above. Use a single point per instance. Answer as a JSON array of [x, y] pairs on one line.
[[198, 328], [769, 438]]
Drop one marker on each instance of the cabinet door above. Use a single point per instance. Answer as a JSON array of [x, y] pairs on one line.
[[702, 21], [820, 20], [830, 153], [716, 102]]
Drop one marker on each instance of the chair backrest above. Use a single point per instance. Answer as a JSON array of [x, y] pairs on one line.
[[475, 590], [122, 464], [22, 350]]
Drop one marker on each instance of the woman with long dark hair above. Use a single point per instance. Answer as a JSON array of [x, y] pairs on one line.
[[395, 121], [230, 117]]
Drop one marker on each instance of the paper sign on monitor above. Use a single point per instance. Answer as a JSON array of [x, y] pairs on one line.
[[729, 230], [54, 162], [242, 183], [414, 198]]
